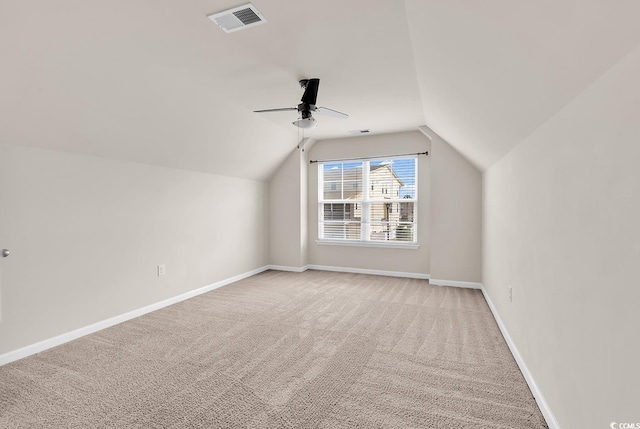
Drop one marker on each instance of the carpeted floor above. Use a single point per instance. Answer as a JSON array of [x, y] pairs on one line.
[[284, 350]]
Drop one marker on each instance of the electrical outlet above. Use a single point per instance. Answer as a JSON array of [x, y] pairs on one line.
[[161, 270], [510, 294]]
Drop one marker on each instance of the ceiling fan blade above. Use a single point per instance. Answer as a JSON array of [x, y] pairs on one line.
[[330, 112], [311, 92], [282, 109]]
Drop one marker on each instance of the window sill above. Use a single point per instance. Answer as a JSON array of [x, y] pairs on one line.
[[385, 245]]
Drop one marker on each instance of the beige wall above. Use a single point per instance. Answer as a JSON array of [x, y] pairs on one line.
[[86, 235], [456, 215], [287, 213], [562, 227], [369, 258], [304, 206]]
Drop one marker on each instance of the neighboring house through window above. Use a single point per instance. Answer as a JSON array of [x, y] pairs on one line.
[[368, 200]]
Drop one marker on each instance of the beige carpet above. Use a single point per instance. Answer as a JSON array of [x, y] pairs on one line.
[[284, 350]]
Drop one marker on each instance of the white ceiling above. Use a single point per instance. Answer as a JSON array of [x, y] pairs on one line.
[[157, 82]]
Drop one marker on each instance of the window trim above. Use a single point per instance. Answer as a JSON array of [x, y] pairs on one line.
[[366, 203]]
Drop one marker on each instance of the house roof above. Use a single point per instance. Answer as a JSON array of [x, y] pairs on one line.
[[159, 83]]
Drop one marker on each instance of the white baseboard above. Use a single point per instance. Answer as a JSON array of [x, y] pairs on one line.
[[537, 394], [455, 283], [287, 268], [95, 327], [368, 271], [439, 282]]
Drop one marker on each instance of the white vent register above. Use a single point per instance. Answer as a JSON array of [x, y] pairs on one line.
[[238, 18]]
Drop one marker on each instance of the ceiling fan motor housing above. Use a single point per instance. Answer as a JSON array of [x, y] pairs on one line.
[[305, 110]]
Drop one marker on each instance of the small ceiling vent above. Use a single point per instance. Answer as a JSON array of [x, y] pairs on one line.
[[359, 132], [238, 18]]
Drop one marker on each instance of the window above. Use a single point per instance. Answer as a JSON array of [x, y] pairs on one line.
[[351, 208]]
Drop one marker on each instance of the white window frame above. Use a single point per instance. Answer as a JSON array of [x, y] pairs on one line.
[[366, 202]]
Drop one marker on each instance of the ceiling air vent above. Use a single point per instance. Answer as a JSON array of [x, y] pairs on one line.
[[238, 18], [359, 131]]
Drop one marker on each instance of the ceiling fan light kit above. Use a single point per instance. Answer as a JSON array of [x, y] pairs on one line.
[[308, 106], [306, 123]]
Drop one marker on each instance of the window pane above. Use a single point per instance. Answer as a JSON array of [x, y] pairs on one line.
[[334, 212], [352, 171], [404, 232], [342, 231], [332, 172], [332, 190], [406, 211], [382, 212], [342, 181], [384, 181], [391, 231], [380, 231], [392, 221], [341, 211], [393, 178], [352, 190]]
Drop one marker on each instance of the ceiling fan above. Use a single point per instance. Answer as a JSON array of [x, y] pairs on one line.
[[308, 106]]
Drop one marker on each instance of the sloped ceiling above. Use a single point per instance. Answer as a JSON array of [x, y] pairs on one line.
[[491, 72], [157, 82]]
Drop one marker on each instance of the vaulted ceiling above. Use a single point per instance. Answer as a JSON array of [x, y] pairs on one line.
[[158, 82]]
